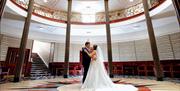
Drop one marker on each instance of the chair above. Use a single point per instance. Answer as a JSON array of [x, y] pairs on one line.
[[142, 70], [4, 71]]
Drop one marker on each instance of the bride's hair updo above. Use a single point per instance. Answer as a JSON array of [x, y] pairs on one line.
[[95, 47]]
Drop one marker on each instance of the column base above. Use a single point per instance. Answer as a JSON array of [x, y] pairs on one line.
[[16, 79], [159, 79], [111, 76], [66, 76]]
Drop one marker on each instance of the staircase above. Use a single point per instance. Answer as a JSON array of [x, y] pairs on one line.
[[39, 70]]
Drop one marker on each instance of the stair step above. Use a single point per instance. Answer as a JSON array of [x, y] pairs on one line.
[[39, 64], [38, 73], [38, 69], [37, 61], [35, 66], [35, 69]]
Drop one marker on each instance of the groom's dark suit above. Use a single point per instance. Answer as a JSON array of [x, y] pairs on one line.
[[85, 62]]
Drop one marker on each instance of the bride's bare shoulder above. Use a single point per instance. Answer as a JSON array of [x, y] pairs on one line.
[[95, 51]]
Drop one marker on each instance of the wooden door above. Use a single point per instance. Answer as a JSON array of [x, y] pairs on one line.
[[12, 59]]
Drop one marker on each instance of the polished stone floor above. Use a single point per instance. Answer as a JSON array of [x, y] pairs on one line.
[[52, 84]]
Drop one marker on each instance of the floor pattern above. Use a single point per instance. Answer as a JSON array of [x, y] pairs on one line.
[[52, 84]]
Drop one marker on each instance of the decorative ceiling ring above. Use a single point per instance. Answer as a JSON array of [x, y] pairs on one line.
[[60, 16]]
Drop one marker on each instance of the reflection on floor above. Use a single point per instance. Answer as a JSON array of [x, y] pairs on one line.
[[52, 84]]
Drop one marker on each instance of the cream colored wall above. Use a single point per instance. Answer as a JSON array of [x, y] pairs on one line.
[[175, 40], [138, 50], [143, 50], [43, 50], [7, 41], [60, 52]]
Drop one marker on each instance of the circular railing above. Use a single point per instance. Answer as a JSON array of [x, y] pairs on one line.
[[61, 16]]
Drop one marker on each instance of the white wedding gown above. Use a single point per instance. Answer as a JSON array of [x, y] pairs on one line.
[[98, 80]]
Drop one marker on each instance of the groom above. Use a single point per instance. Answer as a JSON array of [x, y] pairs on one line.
[[86, 59]]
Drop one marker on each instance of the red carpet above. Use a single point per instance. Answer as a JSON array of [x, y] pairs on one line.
[[143, 89], [140, 87]]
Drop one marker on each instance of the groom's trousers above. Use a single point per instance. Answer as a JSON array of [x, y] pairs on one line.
[[85, 72]]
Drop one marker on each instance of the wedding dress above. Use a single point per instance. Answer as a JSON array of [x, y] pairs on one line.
[[98, 80]]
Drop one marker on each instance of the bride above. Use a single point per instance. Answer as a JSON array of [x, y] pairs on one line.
[[97, 78]]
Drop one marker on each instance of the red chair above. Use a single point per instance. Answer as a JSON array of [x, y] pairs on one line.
[[4, 71]]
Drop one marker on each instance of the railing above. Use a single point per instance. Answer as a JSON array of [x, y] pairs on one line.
[[171, 68], [61, 16]]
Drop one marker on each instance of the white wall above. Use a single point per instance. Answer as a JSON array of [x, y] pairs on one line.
[[43, 50], [164, 47], [60, 52], [138, 50], [175, 40], [7, 41], [143, 50]]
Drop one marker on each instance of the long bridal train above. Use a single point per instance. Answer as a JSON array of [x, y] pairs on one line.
[[97, 79], [116, 87]]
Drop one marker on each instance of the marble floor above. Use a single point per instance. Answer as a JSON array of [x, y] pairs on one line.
[[52, 84]]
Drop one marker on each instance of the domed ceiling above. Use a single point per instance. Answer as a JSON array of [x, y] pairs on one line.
[[92, 6], [163, 16]]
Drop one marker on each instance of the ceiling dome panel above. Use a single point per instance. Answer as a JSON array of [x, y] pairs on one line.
[[80, 5]]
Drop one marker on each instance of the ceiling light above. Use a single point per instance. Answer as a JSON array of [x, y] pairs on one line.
[[88, 7], [131, 0], [88, 32], [88, 17], [45, 1], [137, 26], [41, 28]]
